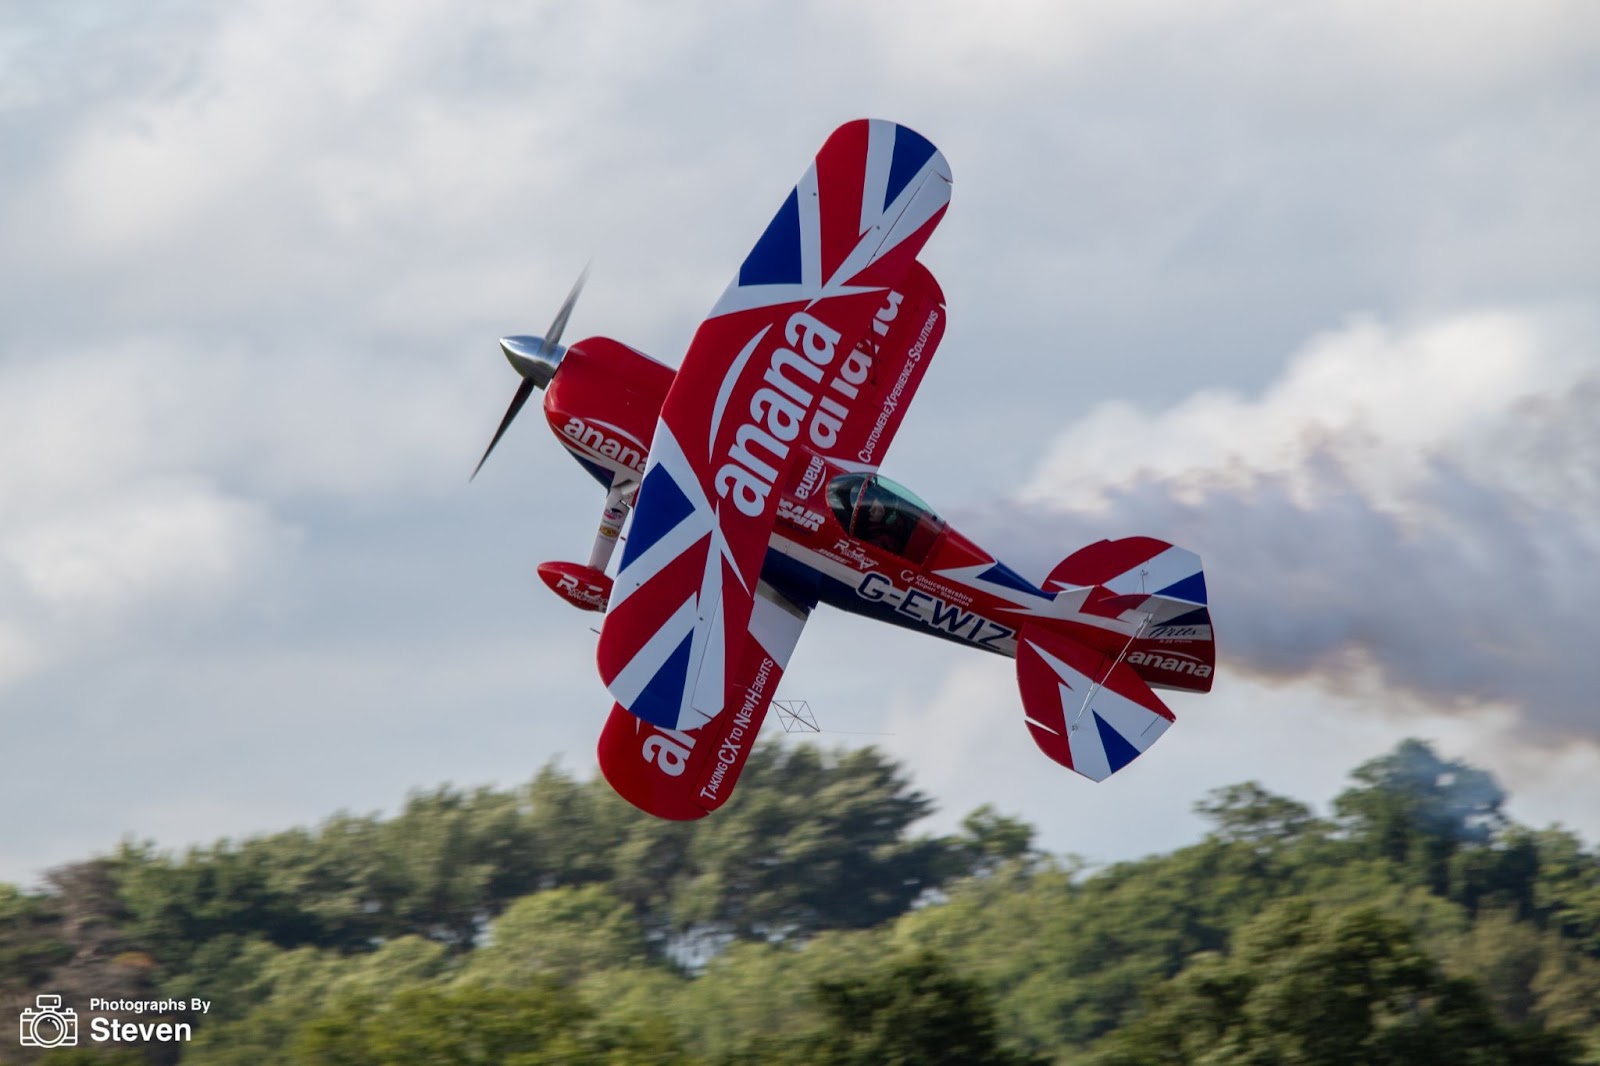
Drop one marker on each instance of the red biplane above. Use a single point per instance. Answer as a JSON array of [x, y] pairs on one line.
[[751, 473]]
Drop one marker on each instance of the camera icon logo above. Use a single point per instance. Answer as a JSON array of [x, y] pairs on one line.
[[49, 1024]]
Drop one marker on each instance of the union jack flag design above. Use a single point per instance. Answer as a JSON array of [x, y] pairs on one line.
[[773, 368], [1160, 588], [1089, 712]]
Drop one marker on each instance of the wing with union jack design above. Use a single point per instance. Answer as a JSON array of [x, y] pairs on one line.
[[683, 774], [774, 366], [889, 363]]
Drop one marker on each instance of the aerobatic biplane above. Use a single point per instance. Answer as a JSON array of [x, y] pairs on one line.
[[751, 474]]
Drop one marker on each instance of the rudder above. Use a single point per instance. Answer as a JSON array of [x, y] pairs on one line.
[[1164, 588]]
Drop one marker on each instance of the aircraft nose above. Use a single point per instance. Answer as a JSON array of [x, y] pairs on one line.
[[533, 357]]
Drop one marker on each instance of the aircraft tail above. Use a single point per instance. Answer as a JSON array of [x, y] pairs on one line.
[[1159, 588], [1088, 710]]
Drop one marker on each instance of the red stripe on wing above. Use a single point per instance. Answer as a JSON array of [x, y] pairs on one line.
[[840, 168]]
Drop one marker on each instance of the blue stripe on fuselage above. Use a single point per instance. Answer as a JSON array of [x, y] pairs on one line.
[[807, 585]]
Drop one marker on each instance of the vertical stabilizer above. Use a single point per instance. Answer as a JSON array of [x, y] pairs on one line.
[[1159, 587]]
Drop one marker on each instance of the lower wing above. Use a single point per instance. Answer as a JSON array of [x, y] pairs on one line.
[[688, 773]]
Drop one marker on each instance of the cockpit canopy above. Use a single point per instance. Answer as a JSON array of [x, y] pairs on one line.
[[889, 516]]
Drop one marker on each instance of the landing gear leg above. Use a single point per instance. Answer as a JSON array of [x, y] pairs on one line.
[[587, 587], [611, 520]]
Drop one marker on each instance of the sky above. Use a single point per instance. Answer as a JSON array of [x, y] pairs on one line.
[[1309, 289]]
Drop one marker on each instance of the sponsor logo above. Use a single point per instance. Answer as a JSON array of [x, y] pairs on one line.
[[669, 749], [618, 444], [1179, 632], [581, 592], [810, 479], [800, 516], [793, 396], [849, 551], [950, 618], [891, 402], [1172, 662], [732, 749], [938, 588]]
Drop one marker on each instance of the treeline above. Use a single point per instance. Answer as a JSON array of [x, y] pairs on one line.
[[807, 923]]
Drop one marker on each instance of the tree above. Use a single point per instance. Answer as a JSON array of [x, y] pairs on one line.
[[97, 956], [820, 843], [1251, 815], [1567, 888], [260, 1017], [539, 1024], [990, 839], [31, 943], [563, 934], [913, 1011], [1317, 985], [1416, 809]]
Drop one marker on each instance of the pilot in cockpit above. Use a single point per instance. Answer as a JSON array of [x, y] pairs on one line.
[[877, 525], [876, 510]]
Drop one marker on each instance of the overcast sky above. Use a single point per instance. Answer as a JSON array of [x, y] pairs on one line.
[[1309, 289]]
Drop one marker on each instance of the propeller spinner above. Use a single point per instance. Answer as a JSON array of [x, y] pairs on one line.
[[536, 359]]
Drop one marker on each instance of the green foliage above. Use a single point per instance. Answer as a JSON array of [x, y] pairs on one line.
[[821, 845], [1316, 985], [290, 986], [989, 840], [906, 1012], [565, 934], [1068, 955], [752, 999], [1249, 814], [807, 923], [30, 945], [1566, 888], [539, 1024], [92, 1056], [1416, 810]]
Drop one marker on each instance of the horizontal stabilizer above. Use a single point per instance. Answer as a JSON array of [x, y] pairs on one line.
[[1090, 712]]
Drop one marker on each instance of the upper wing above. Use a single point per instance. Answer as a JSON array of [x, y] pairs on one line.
[[888, 365], [687, 773], [772, 362]]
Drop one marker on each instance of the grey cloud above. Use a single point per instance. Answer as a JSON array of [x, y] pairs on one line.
[[282, 238], [1483, 590]]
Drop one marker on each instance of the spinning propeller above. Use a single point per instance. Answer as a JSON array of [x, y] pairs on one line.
[[536, 359]]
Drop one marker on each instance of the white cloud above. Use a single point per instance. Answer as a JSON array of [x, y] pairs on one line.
[[1462, 46], [257, 255], [157, 542], [1383, 401], [158, 477], [19, 654], [969, 746], [281, 421], [1420, 502]]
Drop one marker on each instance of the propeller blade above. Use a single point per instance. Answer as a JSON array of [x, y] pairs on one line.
[[552, 336], [524, 390], [537, 364]]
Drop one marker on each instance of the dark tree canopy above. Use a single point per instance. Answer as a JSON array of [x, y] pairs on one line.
[[1308, 984], [810, 921]]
